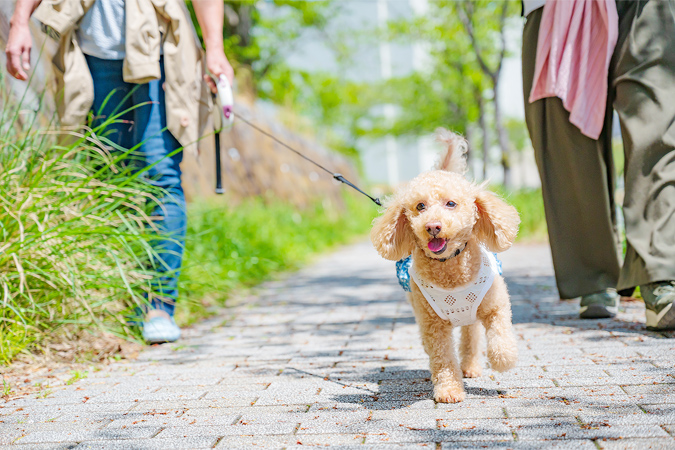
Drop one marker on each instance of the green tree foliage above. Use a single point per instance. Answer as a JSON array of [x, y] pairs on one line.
[[258, 41], [466, 45], [258, 38], [466, 41]]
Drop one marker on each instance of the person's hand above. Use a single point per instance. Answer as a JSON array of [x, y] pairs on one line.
[[217, 64], [17, 50]]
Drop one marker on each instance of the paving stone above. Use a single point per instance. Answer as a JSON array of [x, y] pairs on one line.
[[572, 444], [54, 411], [51, 446], [230, 430], [644, 399], [595, 431], [437, 414], [652, 388], [39, 437], [182, 405], [342, 441], [664, 409], [569, 392], [637, 444], [167, 420], [552, 409], [195, 442], [331, 357], [7, 430], [264, 441], [628, 419], [388, 446], [471, 433]]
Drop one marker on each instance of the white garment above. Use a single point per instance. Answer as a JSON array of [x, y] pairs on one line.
[[459, 305], [531, 5], [102, 30]]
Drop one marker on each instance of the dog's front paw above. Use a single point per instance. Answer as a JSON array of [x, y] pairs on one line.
[[448, 394], [503, 358]]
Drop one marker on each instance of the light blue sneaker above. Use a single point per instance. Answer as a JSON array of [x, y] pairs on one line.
[[160, 329]]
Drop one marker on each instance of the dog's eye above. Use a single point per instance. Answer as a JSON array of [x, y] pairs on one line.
[[421, 207], [451, 204]]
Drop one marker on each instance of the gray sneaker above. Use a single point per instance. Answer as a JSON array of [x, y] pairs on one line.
[[599, 305], [659, 298]]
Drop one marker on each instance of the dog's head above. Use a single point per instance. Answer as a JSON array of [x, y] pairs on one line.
[[439, 212]]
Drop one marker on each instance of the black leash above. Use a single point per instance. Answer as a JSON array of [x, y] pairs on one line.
[[336, 176]]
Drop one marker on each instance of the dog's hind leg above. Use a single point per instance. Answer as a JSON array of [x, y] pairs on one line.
[[470, 349]]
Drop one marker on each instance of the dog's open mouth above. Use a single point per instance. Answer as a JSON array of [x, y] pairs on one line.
[[437, 245]]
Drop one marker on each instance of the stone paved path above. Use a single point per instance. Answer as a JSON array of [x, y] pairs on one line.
[[331, 357]]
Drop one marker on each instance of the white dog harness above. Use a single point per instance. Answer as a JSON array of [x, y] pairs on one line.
[[459, 305]]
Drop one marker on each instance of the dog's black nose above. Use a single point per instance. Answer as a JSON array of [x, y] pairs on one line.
[[433, 228]]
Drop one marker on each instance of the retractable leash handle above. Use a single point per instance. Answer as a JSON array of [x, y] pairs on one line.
[[226, 101], [225, 104]]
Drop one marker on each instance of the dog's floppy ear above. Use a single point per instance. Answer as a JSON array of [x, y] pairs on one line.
[[497, 224], [391, 234]]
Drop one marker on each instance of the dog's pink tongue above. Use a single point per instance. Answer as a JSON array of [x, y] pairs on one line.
[[436, 244]]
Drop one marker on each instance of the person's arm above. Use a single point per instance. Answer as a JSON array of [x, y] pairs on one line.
[[20, 41], [210, 15]]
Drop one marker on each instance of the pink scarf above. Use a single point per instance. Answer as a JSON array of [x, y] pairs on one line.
[[576, 42]]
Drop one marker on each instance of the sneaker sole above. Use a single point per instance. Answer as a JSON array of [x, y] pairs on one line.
[[163, 341], [662, 321], [597, 312]]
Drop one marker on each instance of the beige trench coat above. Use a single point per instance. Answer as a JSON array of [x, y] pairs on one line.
[[188, 99]]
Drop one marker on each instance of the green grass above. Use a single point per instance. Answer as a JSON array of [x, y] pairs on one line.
[[77, 375], [234, 246], [530, 206], [74, 232]]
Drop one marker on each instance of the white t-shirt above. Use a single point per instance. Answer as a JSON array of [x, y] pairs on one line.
[[531, 5], [102, 30]]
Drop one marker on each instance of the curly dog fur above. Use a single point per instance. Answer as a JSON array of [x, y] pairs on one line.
[[443, 205]]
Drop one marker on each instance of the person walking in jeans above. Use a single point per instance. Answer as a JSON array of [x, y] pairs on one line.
[[146, 54], [572, 137]]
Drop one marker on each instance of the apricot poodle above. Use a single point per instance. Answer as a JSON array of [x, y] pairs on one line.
[[451, 226]]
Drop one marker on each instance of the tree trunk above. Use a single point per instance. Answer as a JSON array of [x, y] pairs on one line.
[[502, 135], [485, 134], [245, 25], [468, 134]]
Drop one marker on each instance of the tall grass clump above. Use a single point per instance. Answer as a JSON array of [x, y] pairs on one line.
[[73, 233], [233, 245]]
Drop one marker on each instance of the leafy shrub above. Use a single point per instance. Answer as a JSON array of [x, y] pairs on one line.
[[530, 205], [231, 246]]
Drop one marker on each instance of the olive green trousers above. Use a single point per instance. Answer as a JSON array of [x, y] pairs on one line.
[[578, 174]]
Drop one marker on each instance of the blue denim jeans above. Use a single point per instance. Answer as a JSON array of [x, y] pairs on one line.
[[146, 124]]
